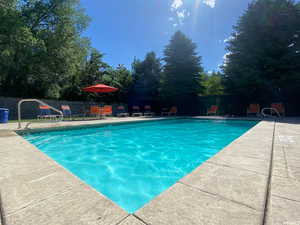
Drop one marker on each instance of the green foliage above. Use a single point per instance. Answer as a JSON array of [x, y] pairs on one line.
[[41, 48], [43, 55], [94, 69], [180, 81], [146, 76], [212, 84], [120, 78], [264, 52], [90, 72]]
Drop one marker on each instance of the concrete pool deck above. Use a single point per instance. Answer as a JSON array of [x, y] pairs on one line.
[[253, 180]]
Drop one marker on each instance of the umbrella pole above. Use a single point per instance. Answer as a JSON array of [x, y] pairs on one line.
[[100, 105]]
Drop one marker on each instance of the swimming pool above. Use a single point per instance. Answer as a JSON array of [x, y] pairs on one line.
[[132, 163]]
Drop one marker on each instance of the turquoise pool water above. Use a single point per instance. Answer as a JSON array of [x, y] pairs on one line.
[[133, 163]]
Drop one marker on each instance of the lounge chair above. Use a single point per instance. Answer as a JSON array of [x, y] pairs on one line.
[[121, 111], [107, 110], [253, 109], [279, 107], [136, 111], [95, 111], [171, 112], [148, 111], [212, 110], [45, 113], [164, 111], [66, 110]]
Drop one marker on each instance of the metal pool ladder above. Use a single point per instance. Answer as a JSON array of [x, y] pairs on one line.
[[38, 101], [271, 109]]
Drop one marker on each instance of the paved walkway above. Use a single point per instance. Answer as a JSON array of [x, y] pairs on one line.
[[284, 195], [254, 180]]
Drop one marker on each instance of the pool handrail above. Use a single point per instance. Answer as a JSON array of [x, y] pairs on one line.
[[271, 109], [38, 101]]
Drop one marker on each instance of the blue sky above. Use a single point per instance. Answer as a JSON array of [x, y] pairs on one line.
[[124, 29]]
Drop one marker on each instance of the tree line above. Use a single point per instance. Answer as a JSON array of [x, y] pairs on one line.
[[43, 55], [263, 60]]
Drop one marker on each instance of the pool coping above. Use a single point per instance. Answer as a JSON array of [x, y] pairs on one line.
[[116, 123], [162, 209]]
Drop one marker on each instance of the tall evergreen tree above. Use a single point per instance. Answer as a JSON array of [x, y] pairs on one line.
[[146, 75], [263, 63], [180, 83]]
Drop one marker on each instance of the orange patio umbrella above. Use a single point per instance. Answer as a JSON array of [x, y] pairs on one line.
[[100, 88]]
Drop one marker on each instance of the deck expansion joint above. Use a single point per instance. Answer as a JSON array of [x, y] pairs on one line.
[[140, 219], [289, 199], [220, 196], [235, 167], [123, 219], [34, 203], [2, 218], [269, 181]]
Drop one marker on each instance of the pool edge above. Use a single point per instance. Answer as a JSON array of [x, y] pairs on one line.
[[143, 208]]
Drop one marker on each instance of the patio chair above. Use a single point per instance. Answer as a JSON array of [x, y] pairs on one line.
[[107, 110], [148, 111], [95, 111], [279, 107], [253, 109], [45, 113], [136, 111], [171, 112], [164, 111], [66, 110], [212, 110], [121, 111]]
